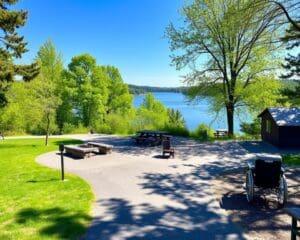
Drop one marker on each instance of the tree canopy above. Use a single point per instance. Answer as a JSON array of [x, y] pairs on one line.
[[12, 46], [225, 44]]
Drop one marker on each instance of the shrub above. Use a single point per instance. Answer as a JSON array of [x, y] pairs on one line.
[[80, 129], [253, 128], [203, 132], [177, 131]]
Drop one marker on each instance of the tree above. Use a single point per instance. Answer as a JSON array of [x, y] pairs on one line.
[[90, 90], [66, 92], [12, 46], [45, 87], [226, 46], [292, 65], [19, 116], [119, 98], [151, 114], [176, 119], [287, 8]]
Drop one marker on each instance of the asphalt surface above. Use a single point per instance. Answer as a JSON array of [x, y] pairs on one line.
[[140, 195]]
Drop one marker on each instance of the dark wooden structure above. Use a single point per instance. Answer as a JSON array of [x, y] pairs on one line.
[[167, 149], [221, 133], [295, 214], [281, 127], [150, 137]]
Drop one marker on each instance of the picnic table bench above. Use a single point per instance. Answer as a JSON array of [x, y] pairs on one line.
[[80, 150], [102, 148], [295, 214], [149, 137], [221, 133]]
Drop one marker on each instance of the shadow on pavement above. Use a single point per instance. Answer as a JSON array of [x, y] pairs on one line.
[[262, 218]]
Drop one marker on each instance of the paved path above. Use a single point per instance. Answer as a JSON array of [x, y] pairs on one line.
[[140, 195]]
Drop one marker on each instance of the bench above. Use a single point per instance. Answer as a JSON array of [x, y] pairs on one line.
[[80, 150], [295, 214], [221, 133], [102, 148], [139, 139]]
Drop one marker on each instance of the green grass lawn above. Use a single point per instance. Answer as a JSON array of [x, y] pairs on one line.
[[34, 203], [291, 159]]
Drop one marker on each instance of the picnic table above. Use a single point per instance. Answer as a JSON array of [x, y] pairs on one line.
[[221, 133], [150, 137], [295, 214]]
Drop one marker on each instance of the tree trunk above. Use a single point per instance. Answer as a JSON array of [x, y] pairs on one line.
[[47, 129], [230, 118]]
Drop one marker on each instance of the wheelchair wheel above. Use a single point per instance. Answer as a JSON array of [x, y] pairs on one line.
[[282, 192], [249, 186]]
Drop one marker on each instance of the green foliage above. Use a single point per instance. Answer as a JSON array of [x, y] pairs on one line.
[[10, 120], [203, 132], [118, 97], [291, 159], [151, 114], [215, 40], [89, 86], [116, 123], [177, 131], [33, 198], [252, 129], [45, 87], [263, 92], [292, 61], [175, 118], [79, 99], [12, 46], [176, 124]]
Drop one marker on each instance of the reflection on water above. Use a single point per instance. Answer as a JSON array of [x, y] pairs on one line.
[[194, 114]]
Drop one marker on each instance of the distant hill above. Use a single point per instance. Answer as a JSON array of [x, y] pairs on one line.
[[135, 89]]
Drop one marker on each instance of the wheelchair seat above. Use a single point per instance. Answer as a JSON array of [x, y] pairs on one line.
[[267, 173]]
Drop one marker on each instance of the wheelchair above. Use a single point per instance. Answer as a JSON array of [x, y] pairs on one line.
[[264, 173]]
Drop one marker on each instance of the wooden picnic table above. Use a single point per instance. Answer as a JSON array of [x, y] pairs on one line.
[[221, 133], [150, 137], [295, 214]]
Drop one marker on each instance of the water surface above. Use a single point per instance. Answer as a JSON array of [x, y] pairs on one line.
[[194, 114]]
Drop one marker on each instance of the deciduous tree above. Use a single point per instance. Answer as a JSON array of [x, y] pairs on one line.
[[45, 87], [226, 45], [90, 87]]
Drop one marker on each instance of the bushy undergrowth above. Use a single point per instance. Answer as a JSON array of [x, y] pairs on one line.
[[177, 131], [203, 132]]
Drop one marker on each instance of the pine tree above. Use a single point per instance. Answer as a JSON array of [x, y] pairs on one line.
[[12, 46], [292, 65]]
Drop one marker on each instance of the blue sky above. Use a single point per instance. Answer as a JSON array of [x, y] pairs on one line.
[[128, 34]]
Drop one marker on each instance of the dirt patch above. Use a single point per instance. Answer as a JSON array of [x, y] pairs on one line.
[[261, 219]]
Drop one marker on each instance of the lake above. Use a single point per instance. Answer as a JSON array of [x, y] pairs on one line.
[[194, 114]]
